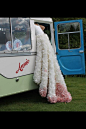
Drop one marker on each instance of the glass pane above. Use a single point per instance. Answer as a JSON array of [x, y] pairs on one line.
[[74, 40], [5, 35], [63, 41], [68, 27], [21, 34]]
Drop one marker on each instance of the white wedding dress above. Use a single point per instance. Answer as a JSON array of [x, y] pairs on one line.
[[47, 71]]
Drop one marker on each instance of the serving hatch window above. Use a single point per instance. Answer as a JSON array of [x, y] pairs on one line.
[[15, 34]]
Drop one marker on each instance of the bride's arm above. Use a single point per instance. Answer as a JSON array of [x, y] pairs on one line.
[[42, 27]]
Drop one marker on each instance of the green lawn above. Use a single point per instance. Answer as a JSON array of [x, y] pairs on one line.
[[31, 101]]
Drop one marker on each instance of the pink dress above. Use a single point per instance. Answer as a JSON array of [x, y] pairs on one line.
[[47, 73]]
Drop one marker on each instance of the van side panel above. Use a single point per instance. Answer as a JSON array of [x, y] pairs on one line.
[[10, 86]]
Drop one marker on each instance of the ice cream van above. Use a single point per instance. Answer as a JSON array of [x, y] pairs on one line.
[[18, 50]]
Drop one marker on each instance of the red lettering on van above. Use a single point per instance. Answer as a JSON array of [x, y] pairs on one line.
[[21, 67]]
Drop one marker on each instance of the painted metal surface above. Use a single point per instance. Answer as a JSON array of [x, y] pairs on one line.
[[48, 19], [10, 86], [71, 61], [13, 67]]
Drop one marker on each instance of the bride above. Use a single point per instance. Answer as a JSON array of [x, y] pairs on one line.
[[47, 71]]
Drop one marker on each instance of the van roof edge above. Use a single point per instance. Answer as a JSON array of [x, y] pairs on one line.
[[42, 19]]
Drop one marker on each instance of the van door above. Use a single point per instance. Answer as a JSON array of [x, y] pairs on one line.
[[70, 46]]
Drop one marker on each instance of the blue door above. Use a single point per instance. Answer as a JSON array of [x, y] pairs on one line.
[[70, 46]]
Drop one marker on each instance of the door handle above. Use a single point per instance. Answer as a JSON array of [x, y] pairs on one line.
[[81, 51]]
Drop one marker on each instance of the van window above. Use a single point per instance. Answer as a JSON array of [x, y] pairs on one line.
[[69, 35], [21, 34], [5, 35], [63, 41], [47, 29]]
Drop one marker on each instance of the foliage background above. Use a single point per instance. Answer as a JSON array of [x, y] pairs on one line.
[[74, 18]]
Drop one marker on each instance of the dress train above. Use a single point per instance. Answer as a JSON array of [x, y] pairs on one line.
[[47, 73]]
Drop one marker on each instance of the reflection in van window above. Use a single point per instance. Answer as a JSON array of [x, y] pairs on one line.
[[68, 27], [69, 35], [63, 41], [5, 35], [21, 34]]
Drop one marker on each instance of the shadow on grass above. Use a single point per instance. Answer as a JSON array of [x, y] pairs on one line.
[[25, 97]]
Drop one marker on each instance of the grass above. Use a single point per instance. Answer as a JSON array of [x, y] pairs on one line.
[[31, 101]]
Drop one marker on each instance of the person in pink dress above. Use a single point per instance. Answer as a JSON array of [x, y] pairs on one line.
[[47, 73]]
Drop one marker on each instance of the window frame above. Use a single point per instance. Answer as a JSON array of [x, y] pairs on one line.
[[45, 23], [16, 52], [69, 37]]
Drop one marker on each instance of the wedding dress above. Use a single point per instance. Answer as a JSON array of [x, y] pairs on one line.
[[47, 73]]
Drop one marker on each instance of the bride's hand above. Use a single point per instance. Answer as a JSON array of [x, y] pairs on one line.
[[42, 27]]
